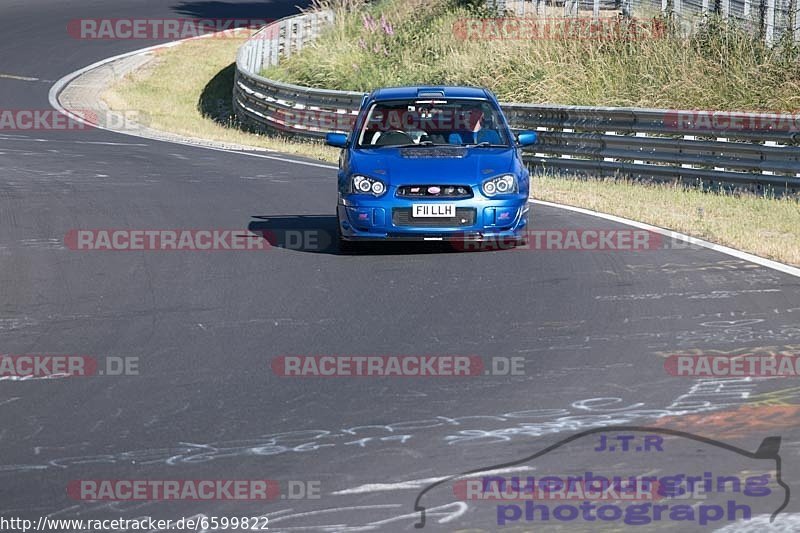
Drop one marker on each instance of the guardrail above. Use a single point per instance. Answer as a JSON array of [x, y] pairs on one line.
[[753, 150]]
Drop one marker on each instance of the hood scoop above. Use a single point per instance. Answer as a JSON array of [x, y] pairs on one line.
[[433, 152]]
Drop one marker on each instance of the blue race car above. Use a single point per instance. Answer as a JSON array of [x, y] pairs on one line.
[[431, 163]]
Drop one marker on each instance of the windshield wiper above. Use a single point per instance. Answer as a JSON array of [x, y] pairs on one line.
[[413, 145]]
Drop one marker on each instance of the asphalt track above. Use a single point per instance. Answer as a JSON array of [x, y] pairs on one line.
[[593, 329]]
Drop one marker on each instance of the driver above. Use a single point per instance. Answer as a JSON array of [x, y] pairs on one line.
[[467, 126]]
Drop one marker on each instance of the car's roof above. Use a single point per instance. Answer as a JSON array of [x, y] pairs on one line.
[[417, 91]]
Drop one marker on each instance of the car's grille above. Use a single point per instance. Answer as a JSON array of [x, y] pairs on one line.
[[465, 216], [434, 191]]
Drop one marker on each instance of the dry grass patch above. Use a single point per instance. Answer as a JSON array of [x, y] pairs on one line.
[[767, 227], [186, 90]]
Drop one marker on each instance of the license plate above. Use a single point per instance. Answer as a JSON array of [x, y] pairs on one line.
[[433, 210]]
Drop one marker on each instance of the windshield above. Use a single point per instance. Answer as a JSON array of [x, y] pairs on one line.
[[422, 122]]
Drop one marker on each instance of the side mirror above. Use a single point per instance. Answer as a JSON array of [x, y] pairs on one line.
[[338, 140], [527, 138]]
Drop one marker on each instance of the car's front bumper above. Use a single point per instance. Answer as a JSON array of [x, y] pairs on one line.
[[362, 218]]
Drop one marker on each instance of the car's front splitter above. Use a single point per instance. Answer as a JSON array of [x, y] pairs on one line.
[[374, 222]]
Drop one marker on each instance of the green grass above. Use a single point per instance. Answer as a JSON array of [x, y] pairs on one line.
[[720, 67]]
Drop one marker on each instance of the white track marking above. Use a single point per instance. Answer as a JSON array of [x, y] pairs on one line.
[[59, 85], [19, 78], [775, 265]]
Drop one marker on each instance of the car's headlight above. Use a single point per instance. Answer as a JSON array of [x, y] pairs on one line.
[[505, 184], [365, 185]]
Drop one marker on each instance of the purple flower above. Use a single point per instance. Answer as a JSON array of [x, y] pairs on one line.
[[369, 22], [362, 44], [386, 25]]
